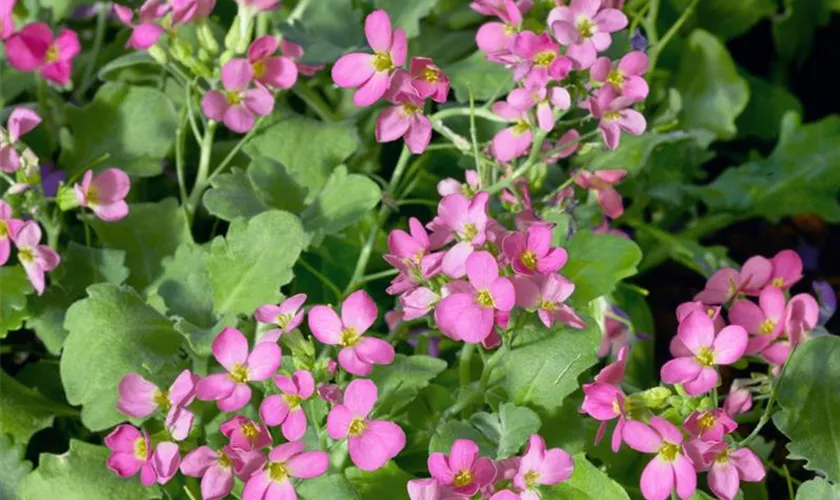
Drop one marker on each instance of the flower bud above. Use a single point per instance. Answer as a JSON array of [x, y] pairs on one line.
[[158, 54], [656, 397], [182, 50], [206, 40], [66, 198]]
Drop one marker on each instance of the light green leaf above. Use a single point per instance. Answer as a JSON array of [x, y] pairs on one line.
[[185, 286], [597, 262], [234, 195], [80, 474], [509, 429], [25, 411], [713, 92], [332, 486], [445, 435], [809, 400], [345, 199], [587, 483], [818, 488], [113, 332], [80, 267], [486, 80], [13, 298], [406, 15], [14, 467], [130, 60], [389, 482], [401, 381], [248, 267], [768, 105], [134, 125], [150, 232], [327, 29]]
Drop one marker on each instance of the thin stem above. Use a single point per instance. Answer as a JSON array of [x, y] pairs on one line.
[[659, 45], [480, 113], [300, 8], [191, 115], [7, 178], [232, 154], [318, 274], [201, 181], [464, 364], [315, 102], [378, 276], [98, 38], [765, 417], [179, 157], [474, 139]]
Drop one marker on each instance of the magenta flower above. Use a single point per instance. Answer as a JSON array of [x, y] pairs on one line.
[[498, 37], [469, 314], [418, 302], [35, 48], [286, 408], [452, 186], [371, 442], [546, 99], [410, 254], [465, 219], [295, 52], [139, 398], [405, 119], [7, 25], [541, 59], [604, 402], [8, 227], [429, 81], [130, 454], [246, 434], [764, 322], [104, 194], [491, 7], [531, 252], [237, 104], [186, 11], [616, 336], [21, 121], [726, 283], [615, 115], [584, 29], [697, 369], [602, 182], [738, 401], [358, 352], [514, 141], [801, 316], [278, 72], [686, 308], [371, 73], [547, 295], [626, 77], [728, 467], [787, 269], [711, 425], [613, 373], [285, 462], [143, 35], [463, 470], [542, 467], [230, 390], [288, 316], [216, 468], [670, 467], [36, 259]]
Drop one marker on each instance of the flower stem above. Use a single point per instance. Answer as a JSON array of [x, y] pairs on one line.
[[464, 364], [765, 417], [98, 38], [659, 45], [201, 181], [179, 157]]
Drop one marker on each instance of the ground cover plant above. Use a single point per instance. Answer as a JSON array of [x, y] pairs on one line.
[[425, 250]]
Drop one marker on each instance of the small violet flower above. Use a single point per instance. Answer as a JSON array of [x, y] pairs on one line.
[[288, 316], [237, 104], [36, 259], [670, 467], [21, 121], [104, 194], [602, 182], [139, 398], [463, 470], [36, 48], [286, 408], [285, 463]]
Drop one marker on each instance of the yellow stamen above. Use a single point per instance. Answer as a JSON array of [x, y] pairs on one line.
[[161, 398], [233, 97], [484, 299], [26, 255], [669, 452], [521, 127], [277, 472], [767, 326], [140, 449], [349, 337], [239, 374], [531, 478], [250, 431], [52, 54], [357, 427], [722, 457], [4, 229], [586, 28], [545, 58], [616, 78], [382, 62], [710, 312], [259, 69], [612, 116], [409, 109], [224, 460], [509, 29], [778, 282], [292, 400], [529, 260], [707, 421], [547, 305], [705, 357], [463, 478], [431, 75], [470, 232]]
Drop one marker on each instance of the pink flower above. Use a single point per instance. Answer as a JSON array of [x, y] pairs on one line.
[[787, 269], [295, 52], [104, 194], [35, 47], [542, 467], [695, 368], [584, 29], [541, 59], [216, 468], [511, 142], [602, 182], [358, 352], [285, 462], [21, 121], [7, 25], [406, 118], [424, 489], [738, 400], [725, 283], [546, 99], [372, 73], [776, 354], [469, 314], [245, 434], [139, 398], [8, 227], [670, 466], [36, 259], [463, 470], [288, 316], [531, 252], [547, 294], [371, 442], [764, 322], [237, 104], [801, 316], [410, 254], [605, 402], [728, 467], [230, 390], [278, 72], [465, 219], [498, 37], [452, 186], [131, 452], [491, 7], [286, 408], [428, 79], [143, 35], [566, 146], [686, 308], [418, 302], [616, 336], [613, 373], [711, 425], [615, 116], [331, 393], [626, 78]]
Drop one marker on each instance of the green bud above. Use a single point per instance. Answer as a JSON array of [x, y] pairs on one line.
[[232, 37], [182, 50], [706, 403], [655, 397], [66, 198], [206, 40], [158, 54], [673, 416]]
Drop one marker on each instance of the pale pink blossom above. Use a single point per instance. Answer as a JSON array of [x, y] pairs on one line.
[[36, 48], [285, 463], [36, 259], [738, 401], [602, 182], [491, 7], [462, 470], [514, 141], [584, 27], [238, 104], [728, 467], [710, 425], [245, 434], [670, 469], [105, 193], [495, 38], [21, 121], [726, 283], [146, 33], [139, 398], [217, 468], [541, 59], [288, 316], [615, 115], [626, 77], [787, 269], [279, 72], [286, 408], [540, 466]]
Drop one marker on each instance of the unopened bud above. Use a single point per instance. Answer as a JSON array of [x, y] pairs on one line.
[[158, 54], [66, 198]]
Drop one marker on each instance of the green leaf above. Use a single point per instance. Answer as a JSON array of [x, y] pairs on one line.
[[768, 105], [597, 262], [543, 364], [80, 474], [150, 232], [486, 80], [809, 400], [406, 15], [727, 19], [327, 29], [25, 411], [445, 435], [134, 125], [401, 381], [185, 286], [234, 195], [389, 482], [344, 201], [587, 483], [13, 298], [332, 486], [713, 92], [130, 60], [113, 332], [14, 467], [248, 267], [510, 428], [818, 488], [793, 31], [80, 267]]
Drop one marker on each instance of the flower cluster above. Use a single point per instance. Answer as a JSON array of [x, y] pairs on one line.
[[690, 432]]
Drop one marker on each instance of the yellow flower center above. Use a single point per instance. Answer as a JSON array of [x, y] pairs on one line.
[[292, 400], [233, 97], [612, 116], [722, 457], [239, 374], [259, 69], [277, 471], [669, 452], [705, 357], [92, 196], [26, 255], [778, 282], [463, 478], [4, 229], [140, 449], [484, 299], [224, 460], [349, 337], [431, 75], [616, 408], [586, 28], [161, 398], [531, 478], [707, 421], [250, 431], [52, 54], [547, 305], [529, 260], [521, 127], [710, 312], [509, 29], [545, 58], [767, 326], [616, 78], [357, 427], [283, 320], [470, 232], [382, 62], [409, 109]]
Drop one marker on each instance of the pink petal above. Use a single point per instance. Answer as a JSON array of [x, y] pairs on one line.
[[21, 121], [122, 439], [256, 487], [635, 87], [259, 101], [358, 311], [263, 361], [634, 63], [240, 396], [786, 265], [527, 291], [378, 31], [601, 69], [491, 37], [360, 396], [308, 464], [124, 464], [772, 302], [352, 364], [657, 478], [755, 274], [196, 462], [136, 396], [454, 262], [503, 293], [262, 48], [724, 481], [305, 383], [352, 70], [112, 184], [685, 475], [239, 119], [423, 489], [667, 430], [237, 74], [611, 203], [383, 439], [419, 134], [273, 410], [372, 90], [375, 351], [165, 461], [746, 314], [729, 345], [462, 455], [706, 380], [632, 121], [294, 427], [611, 20], [230, 348], [338, 421], [391, 124], [696, 331], [214, 387], [565, 32], [680, 370], [640, 437], [179, 422], [750, 467], [214, 105], [482, 269], [325, 325], [217, 483], [611, 133], [280, 72]]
